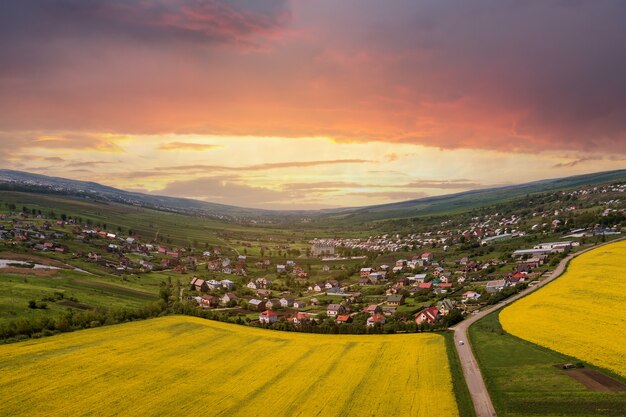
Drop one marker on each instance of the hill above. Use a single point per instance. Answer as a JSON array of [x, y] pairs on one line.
[[438, 205], [458, 202], [28, 182]]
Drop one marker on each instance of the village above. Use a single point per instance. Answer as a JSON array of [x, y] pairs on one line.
[[416, 281]]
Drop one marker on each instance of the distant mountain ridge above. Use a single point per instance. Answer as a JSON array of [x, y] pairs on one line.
[[29, 182]]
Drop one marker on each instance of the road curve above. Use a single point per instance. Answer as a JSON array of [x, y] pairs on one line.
[[471, 370]]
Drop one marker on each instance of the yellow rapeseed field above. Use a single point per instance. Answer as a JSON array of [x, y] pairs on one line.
[[582, 313], [189, 366]]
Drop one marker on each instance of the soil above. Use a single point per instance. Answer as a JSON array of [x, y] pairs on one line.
[[595, 381]]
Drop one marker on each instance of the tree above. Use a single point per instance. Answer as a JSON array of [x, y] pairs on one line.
[[165, 292]]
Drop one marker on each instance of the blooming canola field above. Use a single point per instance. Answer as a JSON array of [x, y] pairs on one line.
[[582, 313], [189, 366]]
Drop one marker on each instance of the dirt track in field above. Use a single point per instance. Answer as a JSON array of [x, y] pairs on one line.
[[595, 381]]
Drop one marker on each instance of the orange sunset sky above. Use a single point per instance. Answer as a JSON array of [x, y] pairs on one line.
[[312, 104]]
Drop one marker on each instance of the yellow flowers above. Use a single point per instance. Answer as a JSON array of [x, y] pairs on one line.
[[189, 366], [582, 313]]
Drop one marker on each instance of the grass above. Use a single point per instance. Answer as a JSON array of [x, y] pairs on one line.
[[523, 381], [186, 366], [16, 290]]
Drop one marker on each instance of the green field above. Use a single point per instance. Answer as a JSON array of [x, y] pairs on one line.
[[16, 290], [523, 381]]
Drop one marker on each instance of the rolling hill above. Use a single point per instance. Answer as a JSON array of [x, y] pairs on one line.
[[451, 203]]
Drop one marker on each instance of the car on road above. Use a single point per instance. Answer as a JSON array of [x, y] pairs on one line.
[[461, 342]]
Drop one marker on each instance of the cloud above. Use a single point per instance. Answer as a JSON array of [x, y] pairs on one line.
[[186, 146], [261, 167], [157, 21], [390, 157], [391, 195], [224, 190], [444, 184], [584, 159], [82, 141], [488, 74]]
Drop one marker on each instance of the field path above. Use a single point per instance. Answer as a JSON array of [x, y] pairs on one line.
[[471, 370]]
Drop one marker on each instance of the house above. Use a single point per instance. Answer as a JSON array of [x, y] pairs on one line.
[[252, 285], [418, 278], [314, 301], [376, 319], [344, 318], [263, 293], [280, 268], [496, 286], [395, 299], [425, 285], [402, 282], [198, 284], [364, 282], [268, 317], [335, 309], [335, 291], [263, 283], [438, 271], [401, 263], [228, 284], [300, 318], [325, 268], [373, 309], [272, 304], [374, 277], [256, 304], [389, 311], [322, 249], [286, 302], [331, 283], [208, 301], [213, 284], [365, 272], [427, 256], [427, 315], [299, 304], [228, 297], [470, 295], [318, 287], [445, 306]]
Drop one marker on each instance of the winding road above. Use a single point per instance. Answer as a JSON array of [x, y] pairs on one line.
[[471, 370]]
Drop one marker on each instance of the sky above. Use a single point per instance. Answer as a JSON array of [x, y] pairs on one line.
[[312, 104]]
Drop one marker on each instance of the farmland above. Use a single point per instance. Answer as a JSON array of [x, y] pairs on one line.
[[523, 380], [582, 314], [182, 365]]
